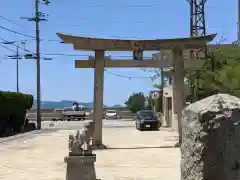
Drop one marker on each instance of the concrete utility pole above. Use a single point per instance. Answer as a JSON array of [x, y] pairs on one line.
[[17, 57], [37, 19], [17, 69], [38, 65], [237, 42]]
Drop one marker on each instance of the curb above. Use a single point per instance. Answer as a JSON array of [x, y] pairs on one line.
[[23, 135]]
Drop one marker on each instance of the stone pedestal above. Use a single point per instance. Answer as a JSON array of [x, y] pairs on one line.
[[80, 167], [210, 148]]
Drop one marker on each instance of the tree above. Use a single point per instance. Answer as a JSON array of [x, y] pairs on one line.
[[158, 72], [220, 74], [136, 102]]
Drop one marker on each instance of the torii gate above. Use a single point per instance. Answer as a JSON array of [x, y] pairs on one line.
[[100, 45]]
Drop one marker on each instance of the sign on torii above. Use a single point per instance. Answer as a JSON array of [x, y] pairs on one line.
[[100, 62]]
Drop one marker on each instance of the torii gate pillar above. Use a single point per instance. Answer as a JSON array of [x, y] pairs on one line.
[[98, 96], [178, 89]]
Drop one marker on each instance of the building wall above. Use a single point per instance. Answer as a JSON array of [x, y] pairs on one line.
[[168, 106], [169, 117]]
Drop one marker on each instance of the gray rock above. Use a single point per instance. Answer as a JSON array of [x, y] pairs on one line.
[[210, 148]]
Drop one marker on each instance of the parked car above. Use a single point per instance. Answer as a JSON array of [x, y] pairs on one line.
[[111, 114], [87, 113], [146, 119]]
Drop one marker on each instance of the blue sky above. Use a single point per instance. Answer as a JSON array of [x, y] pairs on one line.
[[121, 19]]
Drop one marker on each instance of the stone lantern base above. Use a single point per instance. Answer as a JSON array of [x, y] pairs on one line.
[[81, 167]]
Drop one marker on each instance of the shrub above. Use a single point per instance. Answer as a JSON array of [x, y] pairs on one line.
[[13, 108]]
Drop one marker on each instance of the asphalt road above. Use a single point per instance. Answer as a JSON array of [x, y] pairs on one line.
[[74, 125], [48, 116], [65, 125]]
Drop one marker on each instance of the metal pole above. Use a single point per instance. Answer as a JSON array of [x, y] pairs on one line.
[[17, 69], [238, 40], [38, 65]]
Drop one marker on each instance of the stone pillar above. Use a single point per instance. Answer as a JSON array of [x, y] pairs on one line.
[[164, 113], [210, 142], [98, 96], [169, 104], [178, 90]]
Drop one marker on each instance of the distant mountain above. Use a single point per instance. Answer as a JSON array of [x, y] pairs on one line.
[[117, 106], [61, 104]]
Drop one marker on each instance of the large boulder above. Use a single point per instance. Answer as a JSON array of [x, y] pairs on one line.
[[210, 147]]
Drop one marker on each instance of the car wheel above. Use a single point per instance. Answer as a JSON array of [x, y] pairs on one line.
[[139, 127]]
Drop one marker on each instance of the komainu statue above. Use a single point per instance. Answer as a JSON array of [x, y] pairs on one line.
[[80, 142]]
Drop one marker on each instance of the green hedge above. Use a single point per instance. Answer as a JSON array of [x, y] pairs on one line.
[[13, 108]]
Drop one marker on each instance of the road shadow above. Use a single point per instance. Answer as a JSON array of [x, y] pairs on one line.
[[140, 147], [118, 126], [27, 135]]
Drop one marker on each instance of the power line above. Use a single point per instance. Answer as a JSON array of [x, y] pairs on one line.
[[52, 54], [59, 54], [112, 21], [27, 50], [7, 48], [16, 32], [16, 45], [121, 5], [87, 55], [125, 6], [211, 6], [34, 38], [11, 21], [58, 41], [22, 34], [78, 55], [129, 77]]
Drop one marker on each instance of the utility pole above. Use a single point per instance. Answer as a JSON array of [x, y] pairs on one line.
[[38, 65], [238, 25], [238, 21], [37, 19], [17, 70], [237, 42], [17, 57]]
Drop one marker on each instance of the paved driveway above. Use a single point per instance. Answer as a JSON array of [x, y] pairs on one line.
[[132, 155]]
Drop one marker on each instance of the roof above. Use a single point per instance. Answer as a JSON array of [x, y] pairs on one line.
[[89, 44]]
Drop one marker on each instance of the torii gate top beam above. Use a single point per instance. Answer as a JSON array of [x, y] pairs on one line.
[[91, 44]]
